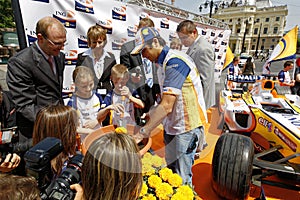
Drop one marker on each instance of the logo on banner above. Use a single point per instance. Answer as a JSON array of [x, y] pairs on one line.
[[144, 15], [119, 13], [203, 32], [224, 43], [71, 57], [131, 30], [85, 6], [66, 18], [31, 36], [45, 1], [116, 44], [82, 42], [172, 35], [106, 24], [164, 23]]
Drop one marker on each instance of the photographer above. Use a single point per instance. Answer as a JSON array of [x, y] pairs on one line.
[[61, 122]]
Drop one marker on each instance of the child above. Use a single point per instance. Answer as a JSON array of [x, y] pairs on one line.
[[120, 99], [86, 101]]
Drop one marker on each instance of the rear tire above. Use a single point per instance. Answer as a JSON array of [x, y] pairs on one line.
[[232, 166]]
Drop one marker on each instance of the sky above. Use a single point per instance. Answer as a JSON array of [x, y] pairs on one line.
[[293, 17]]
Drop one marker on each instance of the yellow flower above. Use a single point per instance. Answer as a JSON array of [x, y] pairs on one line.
[[121, 130], [186, 191], [144, 189], [157, 161], [149, 197], [165, 173], [175, 180], [178, 196], [147, 156], [164, 191], [147, 170], [154, 181]]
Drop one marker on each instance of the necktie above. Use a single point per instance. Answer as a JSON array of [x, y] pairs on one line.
[[52, 66]]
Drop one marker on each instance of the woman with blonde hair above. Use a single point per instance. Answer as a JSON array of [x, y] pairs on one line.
[[111, 169], [61, 122]]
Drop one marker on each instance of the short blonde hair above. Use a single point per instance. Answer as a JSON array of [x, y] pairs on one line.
[[119, 71], [82, 72], [96, 32]]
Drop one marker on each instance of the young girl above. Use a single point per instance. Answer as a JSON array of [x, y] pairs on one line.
[[120, 100], [85, 100]]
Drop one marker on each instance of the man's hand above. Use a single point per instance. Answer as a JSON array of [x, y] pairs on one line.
[[10, 162], [91, 124], [79, 191], [125, 92], [136, 79]]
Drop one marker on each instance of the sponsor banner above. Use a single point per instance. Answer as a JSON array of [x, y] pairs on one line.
[[118, 18]]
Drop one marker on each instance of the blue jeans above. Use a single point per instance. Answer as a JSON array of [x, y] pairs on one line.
[[180, 151]]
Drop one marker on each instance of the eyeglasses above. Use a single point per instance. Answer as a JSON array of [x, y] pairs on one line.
[[57, 44]]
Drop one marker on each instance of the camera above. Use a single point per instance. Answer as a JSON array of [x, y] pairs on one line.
[[9, 142], [38, 164], [60, 187]]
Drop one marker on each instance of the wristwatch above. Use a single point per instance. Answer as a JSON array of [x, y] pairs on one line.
[[143, 131]]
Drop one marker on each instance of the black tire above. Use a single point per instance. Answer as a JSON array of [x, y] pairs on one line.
[[232, 166]]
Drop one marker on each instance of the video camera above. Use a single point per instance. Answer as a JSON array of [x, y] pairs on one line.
[[38, 164]]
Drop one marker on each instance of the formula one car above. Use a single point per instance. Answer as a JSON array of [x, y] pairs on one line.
[[261, 138]]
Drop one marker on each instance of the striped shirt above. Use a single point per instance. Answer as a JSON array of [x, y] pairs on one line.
[[180, 77]]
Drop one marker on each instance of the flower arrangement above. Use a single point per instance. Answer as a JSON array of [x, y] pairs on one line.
[[160, 183]]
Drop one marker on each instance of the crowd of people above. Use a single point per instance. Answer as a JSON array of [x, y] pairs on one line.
[[152, 81]]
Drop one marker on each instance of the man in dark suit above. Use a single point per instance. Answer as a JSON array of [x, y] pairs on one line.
[[35, 74], [143, 73]]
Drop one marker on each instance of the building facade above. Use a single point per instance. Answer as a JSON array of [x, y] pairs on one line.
[[256, 26]]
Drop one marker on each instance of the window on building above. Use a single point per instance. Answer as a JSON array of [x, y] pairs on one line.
[[254, 40], [253, 47], [255, 31], [263, 40], [230, 20], [265, 30], [275, 30], [273, 40], [267, 19], [277, 19], [272, 47], [257, 20], [238, 30]]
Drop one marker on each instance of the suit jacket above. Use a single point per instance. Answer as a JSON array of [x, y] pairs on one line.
[[148, 95], [33, 85], [104, 82], [203, 54]]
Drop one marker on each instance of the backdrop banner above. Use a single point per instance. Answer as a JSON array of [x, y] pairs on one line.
[[120, 20]]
